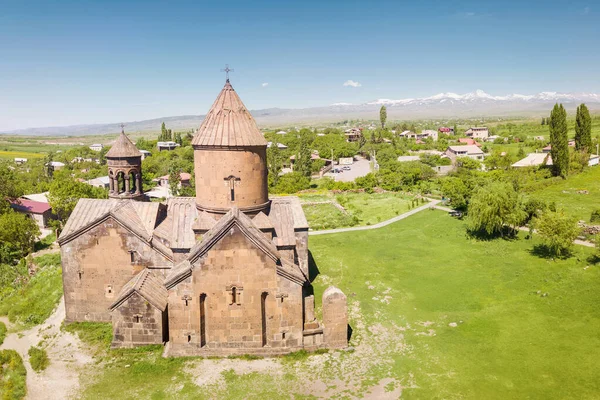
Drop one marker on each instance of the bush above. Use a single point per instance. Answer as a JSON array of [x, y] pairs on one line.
[[32, 303], [12, 376], [291, 183], [38, 358], [2, 332], [558, 231], [595, 217], [98, 334]]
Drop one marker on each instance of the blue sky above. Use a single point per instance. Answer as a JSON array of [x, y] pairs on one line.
[[72, 62]]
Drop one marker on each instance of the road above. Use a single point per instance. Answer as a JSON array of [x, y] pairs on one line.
[[359, 168]]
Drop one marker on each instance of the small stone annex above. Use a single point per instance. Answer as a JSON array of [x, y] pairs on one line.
[[224, 273]]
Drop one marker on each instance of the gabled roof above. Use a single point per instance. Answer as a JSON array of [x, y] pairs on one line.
[[123, 147], [177, 227], [29, 206], [147, 285], [139, 218], [262, 221], [234, 217], [241, 221], [228, 123], [287, 217]]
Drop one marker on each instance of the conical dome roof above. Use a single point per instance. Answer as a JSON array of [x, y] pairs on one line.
[[123, 147], [228, 123]]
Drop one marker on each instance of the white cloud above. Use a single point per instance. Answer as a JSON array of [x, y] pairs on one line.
[[352, 83], [265, 84]]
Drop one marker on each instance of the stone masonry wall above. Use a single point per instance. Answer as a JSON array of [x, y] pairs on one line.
[[235, 326], [97, 264], [137, 323], [335, 318], [213, 166]]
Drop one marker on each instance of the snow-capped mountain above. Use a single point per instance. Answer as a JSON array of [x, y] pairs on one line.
[[443, 105], [479, 96]]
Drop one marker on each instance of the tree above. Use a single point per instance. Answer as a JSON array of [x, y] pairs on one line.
[[583, 129], [303, 159], [521, 152], [174, 179], [455, 129], [163, 133], [382, 116], [493, 208], [65, 192], [559, 141], [9, 187], [18, 234], [274, 163], [558, 231]]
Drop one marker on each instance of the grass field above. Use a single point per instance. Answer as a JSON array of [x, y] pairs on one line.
[[361, 208], [19, 154], [526, 327], [564, 193]]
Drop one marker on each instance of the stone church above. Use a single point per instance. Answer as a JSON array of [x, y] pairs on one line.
[[226, 272]]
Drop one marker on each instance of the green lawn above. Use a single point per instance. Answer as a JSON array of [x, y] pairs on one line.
[[19, 154], [509, 342], [406, 283], [564, 193], [361, 208]]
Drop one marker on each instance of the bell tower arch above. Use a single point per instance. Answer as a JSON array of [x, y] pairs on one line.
[[124, 162]]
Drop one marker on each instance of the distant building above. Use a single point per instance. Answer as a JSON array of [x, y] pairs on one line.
[[55, 165], [39, 197], [40, 212], [353, 134], [96, 147], [446, 130], [184, 180], [166, 146], [408, 158], [426, 134], [279, 145], [281, 133], [470, 151], [20, 161], [429, 134], [477, 132], [101, 182], [145, 153], [534, 160], [467, 141]]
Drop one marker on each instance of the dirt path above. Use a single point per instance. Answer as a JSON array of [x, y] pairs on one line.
[[65, 351]]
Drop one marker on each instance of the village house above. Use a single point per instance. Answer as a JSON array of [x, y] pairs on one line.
[[166, 146], [96, 147], [353, 134], [470, 151], [448, 131], [184, 180], [223, 273], [279, 145], [100, 182], [40, 212], [20, 160], [477, 132], [55, 165], [145, 154], [534, 160]]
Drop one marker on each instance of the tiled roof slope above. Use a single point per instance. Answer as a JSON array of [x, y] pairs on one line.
[[228, 123], [177, 227], [139, 217], [123, 147], [147, 285]]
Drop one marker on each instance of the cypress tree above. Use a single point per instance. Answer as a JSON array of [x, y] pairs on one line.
[[559, 140], [583, 129], [382, 116]]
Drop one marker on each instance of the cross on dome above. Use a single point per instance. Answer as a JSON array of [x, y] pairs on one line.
[[227, 70]]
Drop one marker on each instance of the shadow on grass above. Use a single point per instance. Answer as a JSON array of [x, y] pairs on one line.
[[593, 259], [506, 233], [543, 251], [313, 270]]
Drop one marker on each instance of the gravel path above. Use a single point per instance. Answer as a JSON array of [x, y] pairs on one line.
[[65, 351]]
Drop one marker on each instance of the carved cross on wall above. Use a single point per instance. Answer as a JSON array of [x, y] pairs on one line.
[[233, 181]]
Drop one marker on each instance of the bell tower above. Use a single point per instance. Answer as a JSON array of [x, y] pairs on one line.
[[124, 169], [230, 158]]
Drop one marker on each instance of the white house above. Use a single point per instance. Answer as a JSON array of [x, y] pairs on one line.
[[145, 153], [534, 160], [470, 151], [279, 145], [167, 146], [20, 161], [478, 132], [101, 182], [96, 147]]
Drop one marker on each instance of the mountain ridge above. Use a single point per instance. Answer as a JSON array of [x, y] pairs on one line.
[[446, 105]]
